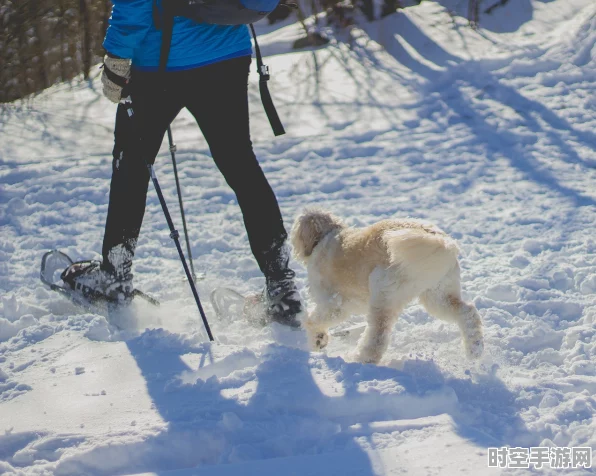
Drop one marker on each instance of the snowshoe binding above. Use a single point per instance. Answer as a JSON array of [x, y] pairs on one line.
[[86, 283], [95, 284]]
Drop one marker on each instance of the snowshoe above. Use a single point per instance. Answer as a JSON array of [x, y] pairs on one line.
[[85, 284], [229, 305]]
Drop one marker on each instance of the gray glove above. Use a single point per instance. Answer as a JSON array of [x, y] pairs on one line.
[[115, 75]]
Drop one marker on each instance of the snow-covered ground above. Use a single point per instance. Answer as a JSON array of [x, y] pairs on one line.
[[489, 134]]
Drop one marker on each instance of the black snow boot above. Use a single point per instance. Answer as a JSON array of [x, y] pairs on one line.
[[281, 296], [282, 299]]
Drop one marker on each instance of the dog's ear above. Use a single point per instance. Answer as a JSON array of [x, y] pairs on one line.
[[303, 236], [309, 228]]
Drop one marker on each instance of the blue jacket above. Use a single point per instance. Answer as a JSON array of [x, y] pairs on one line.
[[132, 34]]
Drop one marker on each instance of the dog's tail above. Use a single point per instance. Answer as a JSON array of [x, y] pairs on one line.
[[423, 256]]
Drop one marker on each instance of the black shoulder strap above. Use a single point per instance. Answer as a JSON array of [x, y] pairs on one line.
[[165, 22], [276, 125]]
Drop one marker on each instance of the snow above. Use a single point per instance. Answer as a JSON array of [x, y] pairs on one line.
[[488, 134]]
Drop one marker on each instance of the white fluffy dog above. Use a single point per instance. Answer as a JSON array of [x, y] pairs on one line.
[[379, 270]]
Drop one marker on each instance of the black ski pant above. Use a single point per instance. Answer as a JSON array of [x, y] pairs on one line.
[[217, 96]]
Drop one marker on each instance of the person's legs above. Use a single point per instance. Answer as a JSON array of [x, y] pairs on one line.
[[137, 142], [220, 107]]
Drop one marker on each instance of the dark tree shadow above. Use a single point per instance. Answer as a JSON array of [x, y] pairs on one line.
[[496, 15], [452, 75]]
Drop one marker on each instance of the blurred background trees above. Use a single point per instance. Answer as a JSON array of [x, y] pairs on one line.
[[46, 41]]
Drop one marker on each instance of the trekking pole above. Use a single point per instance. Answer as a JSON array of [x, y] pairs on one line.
[[173, 232], [172, 151]]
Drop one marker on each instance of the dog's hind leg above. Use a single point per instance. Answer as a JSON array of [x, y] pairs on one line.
[[376, 337], [388, 298], [444, 302]]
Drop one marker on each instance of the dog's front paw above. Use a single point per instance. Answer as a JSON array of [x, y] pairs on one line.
[[320, 341], [473, 337], [475, 347], [366, 355]]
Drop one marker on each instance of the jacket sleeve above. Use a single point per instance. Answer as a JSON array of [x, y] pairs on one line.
[[128, 25]]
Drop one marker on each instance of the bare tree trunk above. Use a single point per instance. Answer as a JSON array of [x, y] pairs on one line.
[[61, 39], [73, 29], [35, 16], [21, 57], [86, 37], [474, 13], [302, 20]]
